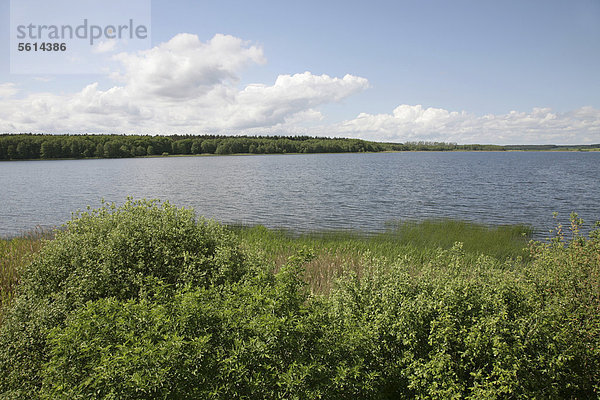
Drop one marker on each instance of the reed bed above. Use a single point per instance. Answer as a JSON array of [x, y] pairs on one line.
[[338, 252]]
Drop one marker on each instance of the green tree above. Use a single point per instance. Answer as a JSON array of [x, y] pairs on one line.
[[140, 151], [209, 146], [112, 149], [11, 152], [99, 150], [196, 147], [22, 150]]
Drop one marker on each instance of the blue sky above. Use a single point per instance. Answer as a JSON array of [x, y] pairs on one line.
[[461, 71]]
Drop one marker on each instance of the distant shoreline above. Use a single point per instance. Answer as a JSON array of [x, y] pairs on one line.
[[297, 154], [65, 147]]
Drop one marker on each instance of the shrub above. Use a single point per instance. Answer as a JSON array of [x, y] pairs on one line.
[[143, 301], [453, 328], [248, 339], [121, 253]]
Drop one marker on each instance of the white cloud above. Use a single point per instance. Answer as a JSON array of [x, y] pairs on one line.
[[8, 90], [416, 123], [185, 67], [261, 105], [182, 85], [189, 86]]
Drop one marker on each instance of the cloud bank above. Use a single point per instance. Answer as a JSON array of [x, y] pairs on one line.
[[189, 86], [416, 123]]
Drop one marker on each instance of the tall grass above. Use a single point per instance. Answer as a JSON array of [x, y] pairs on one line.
[[504, 241], [14, 254], [334, 252], [337, 252]]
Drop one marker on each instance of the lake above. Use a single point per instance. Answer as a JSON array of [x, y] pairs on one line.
[[315, 191]]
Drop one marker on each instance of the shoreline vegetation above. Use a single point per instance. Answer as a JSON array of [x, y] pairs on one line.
[[145, 300], [48, 147], [333, 250]]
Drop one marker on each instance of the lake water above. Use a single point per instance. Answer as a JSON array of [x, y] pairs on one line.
[[316, 191]]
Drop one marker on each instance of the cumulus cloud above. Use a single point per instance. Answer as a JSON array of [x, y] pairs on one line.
[[416, 123], [185, 67], [261, 105], [183, 85], [186, 85]]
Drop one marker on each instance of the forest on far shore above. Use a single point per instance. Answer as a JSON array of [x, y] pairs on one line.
[[45, 146]]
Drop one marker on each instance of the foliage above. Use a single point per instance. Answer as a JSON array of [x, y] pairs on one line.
[[144, 301], [110, 252], [250, 339], [451, 328]]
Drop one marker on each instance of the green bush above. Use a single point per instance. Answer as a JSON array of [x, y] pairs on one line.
[[453, 328], [143, 301], [113, 252], [249, 339]]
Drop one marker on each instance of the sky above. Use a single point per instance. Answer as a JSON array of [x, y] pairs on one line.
[[498, 72]]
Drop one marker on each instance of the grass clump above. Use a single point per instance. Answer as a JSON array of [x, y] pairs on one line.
[[502, 241]]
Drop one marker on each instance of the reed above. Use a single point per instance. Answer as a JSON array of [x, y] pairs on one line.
[[14, 254], [337, 252]]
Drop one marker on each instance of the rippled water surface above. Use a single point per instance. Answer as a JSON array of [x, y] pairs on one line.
[[317, 191]]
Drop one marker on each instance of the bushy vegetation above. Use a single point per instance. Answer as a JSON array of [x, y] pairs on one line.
[[146, 301], [451, 328]]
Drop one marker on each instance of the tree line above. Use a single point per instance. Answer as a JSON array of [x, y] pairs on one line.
[[44, 146], [36, 146]]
